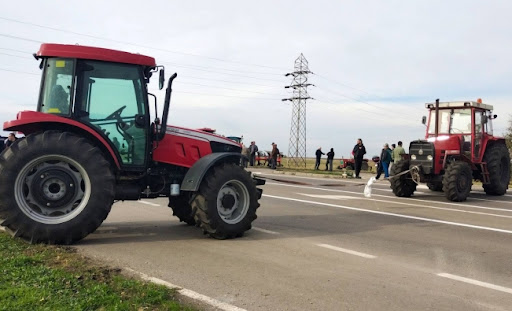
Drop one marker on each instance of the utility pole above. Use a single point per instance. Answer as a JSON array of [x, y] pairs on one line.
[[297, 144]]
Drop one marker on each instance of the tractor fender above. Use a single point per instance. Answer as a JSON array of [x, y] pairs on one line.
[[198, 171], [28, 122]]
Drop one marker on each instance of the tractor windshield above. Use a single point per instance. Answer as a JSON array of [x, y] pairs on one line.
[[56, 90], [451, 121]]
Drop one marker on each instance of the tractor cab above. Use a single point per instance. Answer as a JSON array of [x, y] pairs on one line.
[[105, 90], [463, 126]]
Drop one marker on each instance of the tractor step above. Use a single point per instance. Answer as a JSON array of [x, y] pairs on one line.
[[485, 173]]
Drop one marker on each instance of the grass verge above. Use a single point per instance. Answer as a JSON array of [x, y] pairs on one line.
[[41, 277]]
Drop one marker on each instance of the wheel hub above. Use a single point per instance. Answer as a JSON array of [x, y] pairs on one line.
[[53, 185], [51, 189], [228, 201]]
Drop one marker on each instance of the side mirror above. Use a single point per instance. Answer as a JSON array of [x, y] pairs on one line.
[[424, 120], [494, 116], [161, 79]]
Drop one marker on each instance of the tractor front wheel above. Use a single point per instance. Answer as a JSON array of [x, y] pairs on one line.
[[403, 185], [457, 181], [56, 187], [497, 158], [227, 201], [181, 208]]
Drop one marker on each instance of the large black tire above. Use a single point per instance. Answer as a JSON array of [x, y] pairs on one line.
[[227, 201], [56, 188], [402, 186], [182, 209], [497, 158], [457, 181], [435, 186]]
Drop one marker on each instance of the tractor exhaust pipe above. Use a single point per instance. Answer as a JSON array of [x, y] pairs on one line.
[[437, 118], [168, 91]]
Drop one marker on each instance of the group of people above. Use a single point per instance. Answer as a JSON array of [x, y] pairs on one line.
[[252, 151], [387, 157], [330, 159]]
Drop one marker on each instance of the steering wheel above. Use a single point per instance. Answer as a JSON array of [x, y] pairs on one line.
[[116, 114]]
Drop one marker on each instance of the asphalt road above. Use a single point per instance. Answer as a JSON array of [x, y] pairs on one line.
[[319, 244]]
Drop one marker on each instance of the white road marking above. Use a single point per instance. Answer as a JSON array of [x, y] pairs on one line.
[[148, 203], [395, 198], [264, 230], [189, 293], [347, 251], [394, 214], [329, 196], [381, 184], [476, 282]]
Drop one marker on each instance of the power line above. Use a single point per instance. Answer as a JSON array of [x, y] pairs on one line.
[[225, 88], [223, 73], [355, 99], [134, 44]]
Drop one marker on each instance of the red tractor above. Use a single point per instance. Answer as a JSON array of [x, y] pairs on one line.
[[91, 143], [458, 148]]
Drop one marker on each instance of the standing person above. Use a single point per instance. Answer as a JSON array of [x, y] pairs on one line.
[[385, 159], [398, 152], [330, 158], [359, 151], [253, 149], [12, 138], [247, 154], [393, 146], [274, 154], [318, 154]]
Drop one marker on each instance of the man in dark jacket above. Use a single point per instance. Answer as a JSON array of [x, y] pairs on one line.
[[318, 154], [385, 159], [359, 151], [330, 158]]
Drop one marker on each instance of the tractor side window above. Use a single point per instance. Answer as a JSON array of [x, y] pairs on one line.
[[478, 133], [56, 92], [111, 99]]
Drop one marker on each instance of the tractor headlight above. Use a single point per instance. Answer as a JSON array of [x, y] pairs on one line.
[[413, 157], [429, 157]]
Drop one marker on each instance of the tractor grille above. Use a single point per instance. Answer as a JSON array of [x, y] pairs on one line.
[[422, 150]]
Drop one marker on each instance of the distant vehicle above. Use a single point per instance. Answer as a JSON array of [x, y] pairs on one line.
[[262, 157], [349, 164], [236, 138]]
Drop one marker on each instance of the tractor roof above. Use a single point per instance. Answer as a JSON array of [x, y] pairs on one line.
[[459, 105], [89, 52]]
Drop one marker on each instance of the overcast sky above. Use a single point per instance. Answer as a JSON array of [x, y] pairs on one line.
[[375, 63]]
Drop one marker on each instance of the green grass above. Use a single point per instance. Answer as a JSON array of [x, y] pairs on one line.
[[41, 277]]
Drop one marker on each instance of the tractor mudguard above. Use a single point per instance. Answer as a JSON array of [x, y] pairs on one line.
[[196, 173], [29, 122]]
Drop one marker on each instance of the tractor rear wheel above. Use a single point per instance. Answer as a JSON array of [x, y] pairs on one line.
[[402, 186], [497, 158], [181, 208], [56, 188], [457, 181], [227, 201], [435, 186]]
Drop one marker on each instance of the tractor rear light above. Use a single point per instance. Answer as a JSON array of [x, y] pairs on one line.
[[413, 157], [429, 157]]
